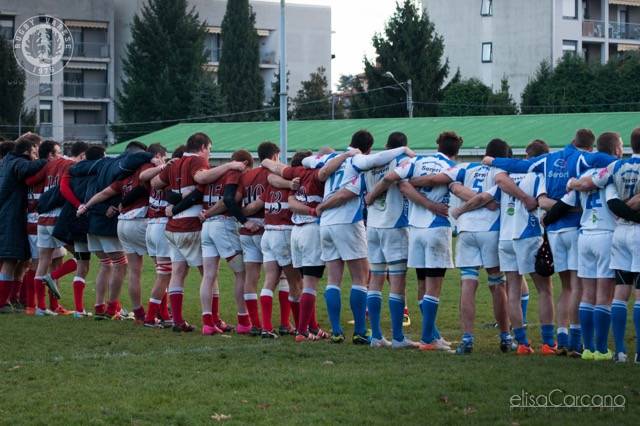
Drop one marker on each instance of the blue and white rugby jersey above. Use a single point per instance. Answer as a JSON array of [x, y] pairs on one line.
[[420, 217], [516, 222], [621, 180], [349, 176], [390, 210], [596, 216], [479, 178]]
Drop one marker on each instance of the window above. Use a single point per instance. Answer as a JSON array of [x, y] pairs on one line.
[[487, 8], [487, 52], [569, 46], [45, 112], [570, 9], [6, 27]]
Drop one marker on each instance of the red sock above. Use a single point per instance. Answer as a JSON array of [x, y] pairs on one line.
[[53, 302], [14, 297], [40, 293], [215, 308], [285, 308], [251, 302], [266, 304], [65, 269], [152, 310], [112, 308], [163, 310], [295, 309], [100, 309], [138, 313], [207, 319], [307, 306], [27, 284], [243, 319], [176, 307], [5, 291], [313, 322], [78, 294], [406, 310]]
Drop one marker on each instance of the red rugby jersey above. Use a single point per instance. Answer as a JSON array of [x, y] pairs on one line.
[[157, 205], [214, 191], [310, 193], [138, 209], [53, 172], [179, 177], [252, 186], [276, 208]]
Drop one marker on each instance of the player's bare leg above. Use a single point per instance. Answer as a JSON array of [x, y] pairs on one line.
[[135, 292]]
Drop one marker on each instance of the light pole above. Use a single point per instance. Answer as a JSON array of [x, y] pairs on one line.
[[283, 84], [407, 91], [20, 115]]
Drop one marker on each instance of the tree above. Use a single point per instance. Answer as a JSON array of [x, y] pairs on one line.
[[501, 103], [12, 85], [163, 67], [313, 101], [239, 73], [207, 101], [409, 48], [273, 114], [534, 97], [473, 97]]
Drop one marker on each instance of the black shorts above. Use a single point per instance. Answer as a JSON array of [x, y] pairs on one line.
[[628, 278], [423, 273]]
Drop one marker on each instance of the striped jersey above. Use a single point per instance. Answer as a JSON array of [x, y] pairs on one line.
[[391, 209]]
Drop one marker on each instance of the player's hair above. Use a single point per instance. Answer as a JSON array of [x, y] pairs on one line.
[[396, 140], [78, 148], [267, 150], [537, 147], [32, 137], [510, 153], [497, 148], [608, 142], [197, 141], [449, 143], [6, 147], [95, 152], [156, 148], [362, 140], [244, 156], [584, 139], [46, 148], [135, 146], [23, 146], [179, 151], [635, 140], [296, 160]]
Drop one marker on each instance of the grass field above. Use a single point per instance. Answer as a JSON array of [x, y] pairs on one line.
[[66, 371]]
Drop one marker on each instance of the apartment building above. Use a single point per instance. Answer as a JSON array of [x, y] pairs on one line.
[[78, 103], [490, 39]]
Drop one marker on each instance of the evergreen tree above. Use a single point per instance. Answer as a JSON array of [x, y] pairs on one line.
[[313, 101], [163, 67], [501, 103], [239, 73], [409, 48], [273, 114], [12, 85], [207, 101], [472, 97]]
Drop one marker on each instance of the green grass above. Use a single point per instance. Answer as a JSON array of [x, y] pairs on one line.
[[66, 371]]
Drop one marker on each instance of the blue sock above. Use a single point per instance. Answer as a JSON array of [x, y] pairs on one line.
[[467, 338], [636, 322], [334, 305], [374, 305], [546, 331], [521, 335], [602, 322], [585, 311], [436, 332], [563, 337], [396, 310], [358, 301], [430, 310], [524, 302], [619, 323], [575, 337], [504, 335]]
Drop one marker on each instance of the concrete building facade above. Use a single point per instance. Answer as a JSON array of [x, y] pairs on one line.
[[78, 103], [492, 39]]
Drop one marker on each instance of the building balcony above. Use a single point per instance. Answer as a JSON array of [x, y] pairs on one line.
[[89, 50], [624, 31], [86, 132], [592, 28], [45, 89], [212, 55], [268, 58], [86, 90]]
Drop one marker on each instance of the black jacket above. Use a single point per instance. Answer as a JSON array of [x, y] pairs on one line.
[[14, 169]]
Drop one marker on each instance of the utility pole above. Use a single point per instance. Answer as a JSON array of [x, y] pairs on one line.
[[333, 106], [410, 98], [283, 84]]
